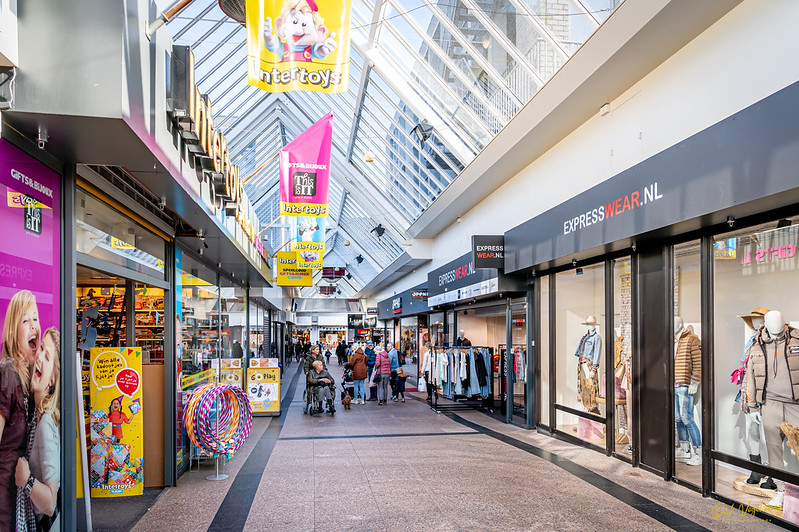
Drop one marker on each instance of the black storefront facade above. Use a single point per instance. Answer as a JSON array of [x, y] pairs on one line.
[[485, 307], [670, 259]]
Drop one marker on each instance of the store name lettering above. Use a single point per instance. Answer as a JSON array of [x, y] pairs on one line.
[[763, 255], [455, 274], [214, 145], [613, 208]]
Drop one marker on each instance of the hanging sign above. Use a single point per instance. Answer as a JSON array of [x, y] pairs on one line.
[[309, 243], [288, 273], [305, 171], [298, 45], [488, 251], [116, 465], [263, 389]]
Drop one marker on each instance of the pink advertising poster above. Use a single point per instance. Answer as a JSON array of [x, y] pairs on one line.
[[305, 171], [30, 288], [30, 247]]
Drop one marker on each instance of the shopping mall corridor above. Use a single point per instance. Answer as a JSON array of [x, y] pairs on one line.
[[402, 466]]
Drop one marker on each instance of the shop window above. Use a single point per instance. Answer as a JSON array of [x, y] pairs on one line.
[[197, 310], [755, 274], [449, 330], [409, 345], [687, 362], [106, 234], [519, 362], [543, 350], [436, 321], [579, 367], [231, 318], [622, 356]]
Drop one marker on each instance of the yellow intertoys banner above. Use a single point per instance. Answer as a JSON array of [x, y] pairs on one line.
[[288, 274], [116, 455], [298, 45]]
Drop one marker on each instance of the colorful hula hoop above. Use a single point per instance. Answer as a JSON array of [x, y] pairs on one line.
[[234, 418]]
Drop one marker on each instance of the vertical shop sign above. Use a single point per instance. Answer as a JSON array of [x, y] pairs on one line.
[[30, 289], [298, 45], [116, 463]]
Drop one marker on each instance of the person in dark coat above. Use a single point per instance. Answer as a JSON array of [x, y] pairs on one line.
[[359, 374]]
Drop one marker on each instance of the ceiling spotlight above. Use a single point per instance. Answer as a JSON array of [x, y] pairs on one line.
[[422, 130], [359, 258], [486, 43], [730, 221], [349, 276], [369, 157], [379, 230], [346, 242], [201, 236], [574, 262], [338, 292]]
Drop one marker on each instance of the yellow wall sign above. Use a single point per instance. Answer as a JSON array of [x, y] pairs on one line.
[[116, 453], [298, 45], [263, 389], [288, 271], [204, 376]]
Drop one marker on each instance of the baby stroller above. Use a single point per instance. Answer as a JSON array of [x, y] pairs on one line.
[[347, 384]]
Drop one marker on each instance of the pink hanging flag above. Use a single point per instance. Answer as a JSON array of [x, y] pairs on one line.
[[305, 171]]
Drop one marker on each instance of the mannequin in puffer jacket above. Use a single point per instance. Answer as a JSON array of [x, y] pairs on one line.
[[772, 380]]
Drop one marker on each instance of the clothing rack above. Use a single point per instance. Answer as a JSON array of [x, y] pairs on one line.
[[453, 371]]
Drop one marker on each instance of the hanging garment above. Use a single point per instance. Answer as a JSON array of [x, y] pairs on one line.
[[458, 382], [482, 374], [473, 388], [485, 390]]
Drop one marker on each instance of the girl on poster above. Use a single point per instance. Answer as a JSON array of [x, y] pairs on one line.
[[21, 337], [42, 473]]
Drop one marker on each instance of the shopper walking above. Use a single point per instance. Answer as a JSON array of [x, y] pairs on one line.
[[381, 376], [393, 357], [427, 369], [370, 366], [341, 352], [359, 373]]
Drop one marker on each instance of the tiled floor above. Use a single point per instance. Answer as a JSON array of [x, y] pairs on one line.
[[404, 467]]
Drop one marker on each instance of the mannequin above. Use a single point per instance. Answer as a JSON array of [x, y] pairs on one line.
[[770, 390], [462, 340], [620, 360], [754, 321], [687, 375], [589, 352]]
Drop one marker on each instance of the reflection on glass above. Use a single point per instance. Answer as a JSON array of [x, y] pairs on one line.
[[753, 305], [622, 360], [543, 350], [519, 362], [580, 313], [409, 345], [436, 321], [687, 362], [104, 233]]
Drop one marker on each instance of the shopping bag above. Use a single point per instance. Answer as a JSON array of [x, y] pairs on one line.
[[422, 386]]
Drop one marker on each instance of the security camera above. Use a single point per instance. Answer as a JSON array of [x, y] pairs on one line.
[[41, 139]]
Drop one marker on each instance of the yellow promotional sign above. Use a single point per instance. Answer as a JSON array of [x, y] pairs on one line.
[[116, 455], [288, 272], [263, 390], [231, 376], [298, 45], [20, 200]]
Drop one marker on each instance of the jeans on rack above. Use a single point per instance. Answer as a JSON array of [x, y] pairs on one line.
[[684, 416]]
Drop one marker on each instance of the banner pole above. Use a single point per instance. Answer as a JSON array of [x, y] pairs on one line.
[[269, 224], [272, 158]]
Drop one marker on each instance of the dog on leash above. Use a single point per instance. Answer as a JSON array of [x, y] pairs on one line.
[[346, 401]]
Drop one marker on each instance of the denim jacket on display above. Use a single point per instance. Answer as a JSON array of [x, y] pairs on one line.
[[590, 347]]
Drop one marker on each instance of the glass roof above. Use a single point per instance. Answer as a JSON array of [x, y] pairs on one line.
[[466, 67]]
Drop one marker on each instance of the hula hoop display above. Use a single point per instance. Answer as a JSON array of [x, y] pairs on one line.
[[234, 418]]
